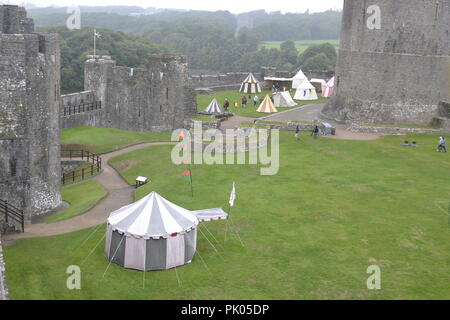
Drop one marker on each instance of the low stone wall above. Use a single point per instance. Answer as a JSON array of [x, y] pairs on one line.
[[3, 285], [391, 130], [289, 126], [189, 124]]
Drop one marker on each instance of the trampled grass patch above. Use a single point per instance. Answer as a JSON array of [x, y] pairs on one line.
[[335, 208]]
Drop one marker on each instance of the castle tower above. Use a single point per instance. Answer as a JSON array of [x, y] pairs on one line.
[[394, 62], [30, 165], [159, 98]]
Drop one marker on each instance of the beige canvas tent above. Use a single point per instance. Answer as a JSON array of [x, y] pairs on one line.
[[283, 99], [267, 106]]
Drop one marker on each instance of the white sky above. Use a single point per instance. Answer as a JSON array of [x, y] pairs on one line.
[[235, 6]]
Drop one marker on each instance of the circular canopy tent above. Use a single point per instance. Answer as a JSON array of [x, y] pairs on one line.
[[154, 234]]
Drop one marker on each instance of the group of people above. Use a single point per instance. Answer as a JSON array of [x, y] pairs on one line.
[[244, 101]]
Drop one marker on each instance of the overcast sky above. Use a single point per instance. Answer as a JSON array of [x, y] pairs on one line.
[[235, 6]]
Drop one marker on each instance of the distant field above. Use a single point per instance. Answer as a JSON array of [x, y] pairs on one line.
[[300, 45]]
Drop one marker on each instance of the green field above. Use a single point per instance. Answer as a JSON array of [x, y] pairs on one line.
[[81, 197], [300, 45], [203, 100], [335, 208], [101, 140]]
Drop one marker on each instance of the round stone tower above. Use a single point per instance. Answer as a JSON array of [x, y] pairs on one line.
[[30, 165], [394, 62]]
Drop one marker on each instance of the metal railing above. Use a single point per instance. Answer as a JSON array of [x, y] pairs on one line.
[[11, 213], [81, 108]]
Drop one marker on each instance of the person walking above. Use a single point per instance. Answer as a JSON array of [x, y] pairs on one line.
[[255, 100], [315, 131], [244, 101], [442, 144], [226, 104], [297, 132]]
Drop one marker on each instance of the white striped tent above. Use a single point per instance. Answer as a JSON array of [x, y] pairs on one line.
[[154, 234], [267, 106], [250, 85], [214, 107]]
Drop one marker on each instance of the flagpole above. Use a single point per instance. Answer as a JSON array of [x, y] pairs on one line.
[[95, 43], [192, 188]]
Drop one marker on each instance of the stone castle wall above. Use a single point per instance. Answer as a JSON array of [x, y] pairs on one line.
[[29, 115], [156, 99], [398, 73]]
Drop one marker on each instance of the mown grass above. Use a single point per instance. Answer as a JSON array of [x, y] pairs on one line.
[[203, 100], [81, 197], [104, 140], [310, 232], [335, 208]]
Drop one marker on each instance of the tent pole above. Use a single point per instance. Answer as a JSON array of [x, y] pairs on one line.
[[226, 226]]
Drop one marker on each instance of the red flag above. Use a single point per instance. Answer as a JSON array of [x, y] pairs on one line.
[[186, 172]]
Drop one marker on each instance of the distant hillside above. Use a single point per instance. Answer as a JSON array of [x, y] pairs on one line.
[[217, 41], [267, 26]]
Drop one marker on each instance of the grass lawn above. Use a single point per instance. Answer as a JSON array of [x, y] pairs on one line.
[[82, 197], [203, 100], [300, 45], [335, 208], [104, 140]]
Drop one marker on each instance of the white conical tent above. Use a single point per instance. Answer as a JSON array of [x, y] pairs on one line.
[[154, 234], [283, 99], [329, 89], [298, 79], [267, 106], [306, 91], [214, 107], [250, 85]]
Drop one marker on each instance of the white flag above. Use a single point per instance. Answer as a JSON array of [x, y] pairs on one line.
[[232, 196]]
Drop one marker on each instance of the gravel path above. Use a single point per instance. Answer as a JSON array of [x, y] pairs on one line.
[[119, 194]]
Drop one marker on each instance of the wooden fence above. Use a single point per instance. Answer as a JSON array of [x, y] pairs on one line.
[[94, 167]]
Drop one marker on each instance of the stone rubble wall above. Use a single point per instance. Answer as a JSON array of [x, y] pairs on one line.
[[3, 285], [30, 163]]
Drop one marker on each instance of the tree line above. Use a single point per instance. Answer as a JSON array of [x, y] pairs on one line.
[[213, 41]]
